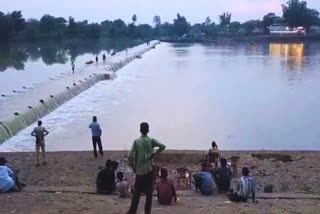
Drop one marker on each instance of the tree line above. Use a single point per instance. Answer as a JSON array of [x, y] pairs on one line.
[[13, 27]]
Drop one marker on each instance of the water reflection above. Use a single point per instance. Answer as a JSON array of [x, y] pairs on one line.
[[16, 55], [181, 49], [14, 58], [293, 54]]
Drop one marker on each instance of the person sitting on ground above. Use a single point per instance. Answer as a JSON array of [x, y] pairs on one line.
[[222, 176], [203, 182], [122, 186], [213, 154], [106, 179], [245, 188], [9, 182], [165, 188]]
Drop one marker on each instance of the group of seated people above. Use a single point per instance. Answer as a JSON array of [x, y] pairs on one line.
[[222, 177], [106, 184], [166, 193], [106, 180]]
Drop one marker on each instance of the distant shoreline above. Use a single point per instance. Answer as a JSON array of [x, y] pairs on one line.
[[250, 39]]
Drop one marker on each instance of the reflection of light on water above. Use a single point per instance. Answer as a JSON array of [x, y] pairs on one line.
[[286, 50], [293, 53]]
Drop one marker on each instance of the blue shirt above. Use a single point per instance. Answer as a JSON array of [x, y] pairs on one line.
[[205, 179], [6, 181], [95, 129]]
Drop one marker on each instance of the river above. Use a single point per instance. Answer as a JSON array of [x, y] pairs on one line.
[[245, 97]]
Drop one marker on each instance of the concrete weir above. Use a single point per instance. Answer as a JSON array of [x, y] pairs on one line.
[[22, 110]]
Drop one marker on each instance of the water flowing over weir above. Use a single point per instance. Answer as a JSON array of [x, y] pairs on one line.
[[22, 110]]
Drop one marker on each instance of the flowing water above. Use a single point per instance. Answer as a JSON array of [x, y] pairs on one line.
[[262, 96]]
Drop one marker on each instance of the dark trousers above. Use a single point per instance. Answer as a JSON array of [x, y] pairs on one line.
[[143, 184], [223, 185], [17, 185], [197, 183], [97, 140], [234, 197]]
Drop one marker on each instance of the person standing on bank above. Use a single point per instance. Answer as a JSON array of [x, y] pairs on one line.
[[40, 132], [73, 66], [140, 160], [96, 136]]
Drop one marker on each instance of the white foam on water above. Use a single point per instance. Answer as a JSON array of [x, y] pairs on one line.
[[86, 103]]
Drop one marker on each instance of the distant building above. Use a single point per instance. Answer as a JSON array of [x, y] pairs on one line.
[[277, 27]]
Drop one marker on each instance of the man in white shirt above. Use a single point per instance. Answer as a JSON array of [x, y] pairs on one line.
[[40, 132]]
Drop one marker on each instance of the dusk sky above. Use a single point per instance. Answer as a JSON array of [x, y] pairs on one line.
[[194, 10]]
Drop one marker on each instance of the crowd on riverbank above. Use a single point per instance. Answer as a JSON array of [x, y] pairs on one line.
[[66, 183], [140, 160], [139, 172]]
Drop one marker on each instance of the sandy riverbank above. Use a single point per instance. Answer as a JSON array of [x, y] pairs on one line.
[[70, 173]]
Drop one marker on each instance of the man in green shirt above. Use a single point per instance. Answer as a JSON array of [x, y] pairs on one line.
[[140, 159]]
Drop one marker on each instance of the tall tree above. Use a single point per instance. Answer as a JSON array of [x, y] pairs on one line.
[[234, 27], [156, 20], [47, 24], [207, 21], [297, 14], [119, 28], [181, 26], [144, 31], [5, 28], [72, 29], [225, 19], [250, 25], [267, 21], [18, 22]]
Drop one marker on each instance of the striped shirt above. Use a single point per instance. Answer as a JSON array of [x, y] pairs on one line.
[[247, 186]]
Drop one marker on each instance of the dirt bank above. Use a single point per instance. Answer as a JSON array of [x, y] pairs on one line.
[[74, 172]]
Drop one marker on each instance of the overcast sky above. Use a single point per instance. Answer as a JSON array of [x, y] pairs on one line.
[[194, 10]]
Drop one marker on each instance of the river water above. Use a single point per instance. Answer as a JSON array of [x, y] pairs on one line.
[[243, 96]]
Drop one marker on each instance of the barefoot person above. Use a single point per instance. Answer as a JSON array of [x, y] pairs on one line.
[[140, 159], [40, 132], [96, 136]]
